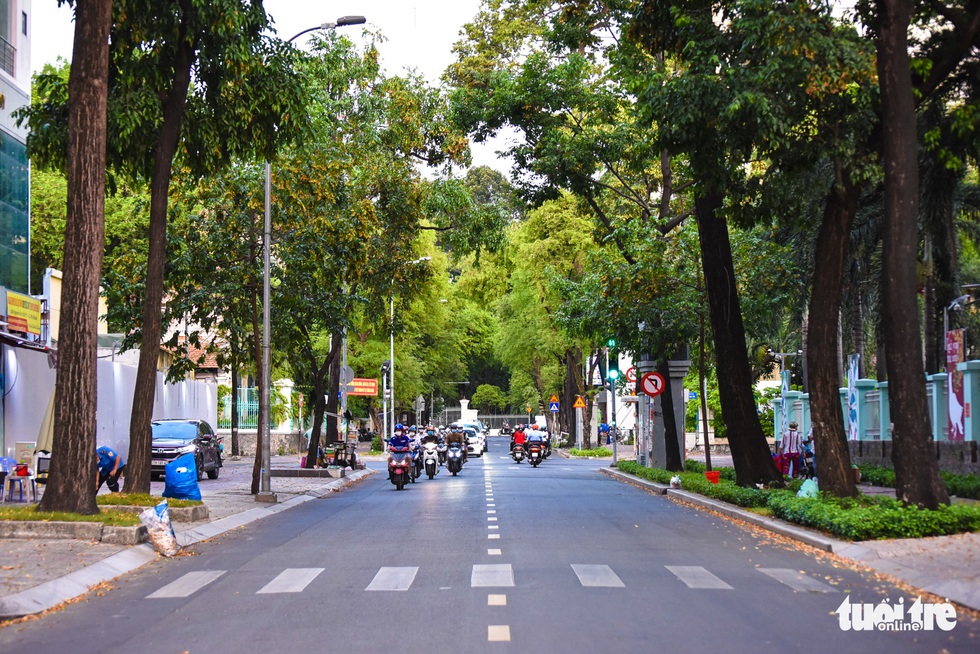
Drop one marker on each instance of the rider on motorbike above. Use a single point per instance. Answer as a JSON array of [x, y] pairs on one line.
[[456, 436], [518, 438]]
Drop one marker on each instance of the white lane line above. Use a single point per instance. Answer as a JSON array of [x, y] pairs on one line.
[[697, 577], [493, 526], [492, 518], [797, 580], [498, 633], [493, 552], [496, 600], [491, 511], [291, 580], [597, 576], [490, 505], [390, 578], [493, 536], [492, 575], [187, 585]]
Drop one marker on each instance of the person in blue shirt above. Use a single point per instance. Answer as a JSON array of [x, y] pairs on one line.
[[400, 440], [111, 468]]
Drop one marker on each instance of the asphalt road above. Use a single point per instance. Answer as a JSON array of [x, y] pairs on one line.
[[502, 558]]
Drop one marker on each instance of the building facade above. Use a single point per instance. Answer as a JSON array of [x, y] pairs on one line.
[[15, 87]]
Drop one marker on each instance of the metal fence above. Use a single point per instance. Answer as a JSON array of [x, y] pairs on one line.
[[248, 409]]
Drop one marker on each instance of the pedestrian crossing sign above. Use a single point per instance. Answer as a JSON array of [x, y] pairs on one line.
[[553, 407]]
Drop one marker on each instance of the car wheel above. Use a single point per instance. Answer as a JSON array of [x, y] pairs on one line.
[[213, 474], [200, 468]]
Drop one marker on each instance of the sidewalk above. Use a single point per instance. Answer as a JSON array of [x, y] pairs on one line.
[[37, 574], [946, 566]]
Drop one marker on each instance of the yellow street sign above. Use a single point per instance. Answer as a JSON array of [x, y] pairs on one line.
[[554, 398], [579, 402]]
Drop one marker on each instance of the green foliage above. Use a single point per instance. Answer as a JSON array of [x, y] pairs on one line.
[[966, 486], [488, 399], [864, 518], [886, 518], [140, 499], [599, 452], [377, 445], [111, 517]]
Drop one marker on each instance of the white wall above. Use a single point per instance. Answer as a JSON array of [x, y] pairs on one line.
[[29, 383]]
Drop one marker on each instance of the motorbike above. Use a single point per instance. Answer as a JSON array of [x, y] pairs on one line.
[[506, 430], [535, 454], [454, 459], [441, 450], [430, 459], [416, 470], [517, 453], [400, 467]]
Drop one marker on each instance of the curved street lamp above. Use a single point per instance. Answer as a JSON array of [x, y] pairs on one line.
[[265, 493]]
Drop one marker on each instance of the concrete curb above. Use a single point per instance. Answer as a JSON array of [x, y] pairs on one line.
[[57, 591], [961, 592]]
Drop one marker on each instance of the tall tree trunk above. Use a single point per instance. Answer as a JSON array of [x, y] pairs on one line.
[[573, 382], [857, 312], [750, 450], [140, 437], [674, 459], [916, 469], [72, 476], [333, 391], [830, 261], [319, 409], [930, 337]]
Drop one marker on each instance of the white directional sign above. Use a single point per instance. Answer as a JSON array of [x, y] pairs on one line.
[[652, 383]]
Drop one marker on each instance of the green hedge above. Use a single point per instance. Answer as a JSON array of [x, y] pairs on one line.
[[885, 518], [967, 486], [862, 518], [597, 451]]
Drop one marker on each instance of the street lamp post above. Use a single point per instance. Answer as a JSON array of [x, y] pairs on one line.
[[391, 386], [265, 493]]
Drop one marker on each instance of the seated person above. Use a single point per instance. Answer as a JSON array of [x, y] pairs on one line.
[[518, 437]]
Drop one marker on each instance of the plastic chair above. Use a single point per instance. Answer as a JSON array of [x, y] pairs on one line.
[[42, 467], [6, 467], [19, 481]]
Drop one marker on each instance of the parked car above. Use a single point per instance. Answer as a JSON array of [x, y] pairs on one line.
[[172, 438], [474, 441]]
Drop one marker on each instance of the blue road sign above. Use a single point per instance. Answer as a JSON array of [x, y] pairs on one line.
[[692, 395], [553, 407]]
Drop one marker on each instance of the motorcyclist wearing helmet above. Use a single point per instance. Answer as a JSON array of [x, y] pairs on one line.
[[518, 437], [400, 440], [456, 436]]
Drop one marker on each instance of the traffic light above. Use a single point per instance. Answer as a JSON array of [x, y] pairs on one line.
[[612, 373]]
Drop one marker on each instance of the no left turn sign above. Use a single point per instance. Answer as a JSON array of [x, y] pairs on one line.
[[652, 383]]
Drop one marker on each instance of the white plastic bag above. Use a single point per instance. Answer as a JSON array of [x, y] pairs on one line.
[[161, 531], [808, 489], [675, 481]]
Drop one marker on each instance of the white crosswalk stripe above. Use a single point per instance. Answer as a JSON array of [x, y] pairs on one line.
[[391, 578], [291, 580], [697, 577], [797, 580], [492, 576], [187, 585], [590, 575], [597, 576]]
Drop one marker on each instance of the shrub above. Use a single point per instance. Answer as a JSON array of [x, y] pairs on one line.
[[861, 518], [596, 451], [376, 444], [967, 486]]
